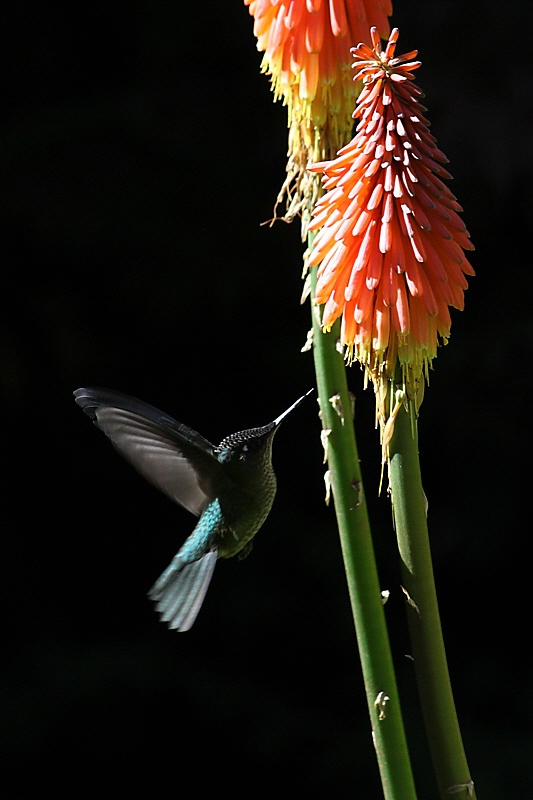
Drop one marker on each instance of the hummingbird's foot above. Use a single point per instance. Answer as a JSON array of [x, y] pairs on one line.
[[246, 550]]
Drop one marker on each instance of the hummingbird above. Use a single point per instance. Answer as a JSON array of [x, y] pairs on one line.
[[229, 487]]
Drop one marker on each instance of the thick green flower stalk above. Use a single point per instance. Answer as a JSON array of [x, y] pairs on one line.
[[390, 256]]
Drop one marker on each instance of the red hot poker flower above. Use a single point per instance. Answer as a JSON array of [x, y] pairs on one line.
[[306, 46], [390, 242]]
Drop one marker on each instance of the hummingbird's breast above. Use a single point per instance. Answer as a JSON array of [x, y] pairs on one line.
[[244, 511]]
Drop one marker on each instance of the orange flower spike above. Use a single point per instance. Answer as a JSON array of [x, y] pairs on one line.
[[395, 240], [306, 46]]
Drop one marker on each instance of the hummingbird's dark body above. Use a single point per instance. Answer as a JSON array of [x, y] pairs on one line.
[[230, 488]]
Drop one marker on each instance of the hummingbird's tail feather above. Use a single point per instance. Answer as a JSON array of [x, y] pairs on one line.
[[180, 591]]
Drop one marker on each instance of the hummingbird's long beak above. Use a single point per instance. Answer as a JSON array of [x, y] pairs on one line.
[[281, 417]]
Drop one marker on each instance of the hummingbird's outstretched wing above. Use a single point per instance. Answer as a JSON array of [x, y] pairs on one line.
[[180, 591], [173, 457]]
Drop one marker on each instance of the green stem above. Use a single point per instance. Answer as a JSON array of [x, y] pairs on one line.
[[360, 566], [438, 708]]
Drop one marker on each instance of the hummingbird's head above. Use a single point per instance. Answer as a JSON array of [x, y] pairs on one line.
[[250, 445], [255, 444]]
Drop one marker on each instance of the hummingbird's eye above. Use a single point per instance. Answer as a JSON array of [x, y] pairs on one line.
[[248, 448], [244, 450]]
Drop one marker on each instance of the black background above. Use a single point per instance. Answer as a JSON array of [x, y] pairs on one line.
[[140, 150]]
